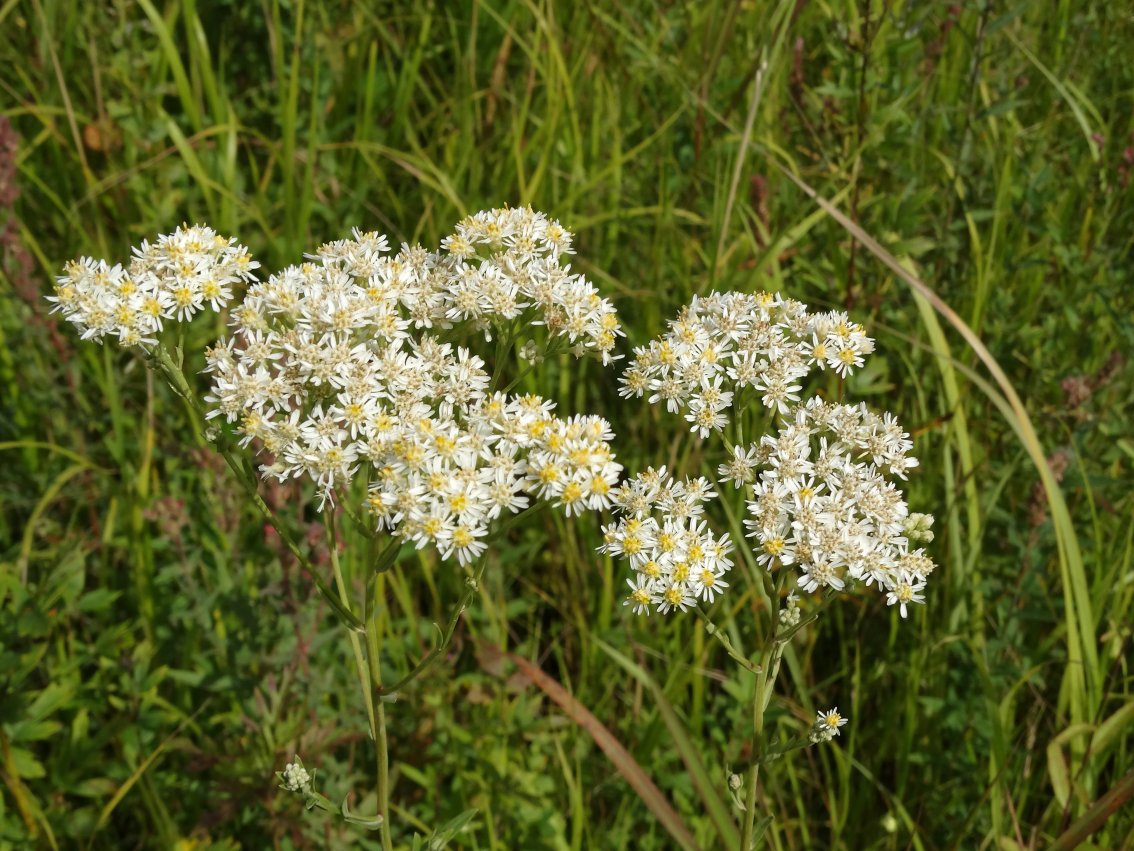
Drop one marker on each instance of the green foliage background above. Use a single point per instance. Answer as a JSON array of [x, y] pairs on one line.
[[161, 655]]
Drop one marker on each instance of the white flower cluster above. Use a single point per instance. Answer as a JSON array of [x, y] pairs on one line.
[[821, 501], [503, 261], [324, 373], [819, 496], [442, 480], [172, 278], [661, 531], [721, 344]]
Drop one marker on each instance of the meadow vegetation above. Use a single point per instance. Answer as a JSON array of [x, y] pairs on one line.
[[163, 653]]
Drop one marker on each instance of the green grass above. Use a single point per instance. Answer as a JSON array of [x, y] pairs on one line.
[[161, 654]]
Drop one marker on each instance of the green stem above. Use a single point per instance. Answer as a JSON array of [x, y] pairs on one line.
[[174, 373], [754, 770], [554, 347], [355, 643], [381, 744], [732, 651], [504, 342], [765, 684], [427, 661], [471, 586], [370, 680], [315, 801], [247, 477]]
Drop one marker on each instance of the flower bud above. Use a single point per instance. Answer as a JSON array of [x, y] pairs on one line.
[[295, 777]]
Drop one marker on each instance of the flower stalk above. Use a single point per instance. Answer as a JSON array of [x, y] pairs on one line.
[[374, 698], [765, 685], [355, 643], [715, 631]]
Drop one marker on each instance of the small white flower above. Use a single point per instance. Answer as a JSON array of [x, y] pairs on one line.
[[641, 594], [827, 725], [673, 595], [740, 469], [707, 583], [904, 589]]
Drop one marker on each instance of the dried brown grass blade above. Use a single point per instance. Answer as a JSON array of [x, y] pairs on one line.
[[626, 765], [1096, 815]]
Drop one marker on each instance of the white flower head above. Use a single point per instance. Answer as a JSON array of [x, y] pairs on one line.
[[504, 261], [338, 368], [826, 726], [822, 502], [676, 559], [724, 342]]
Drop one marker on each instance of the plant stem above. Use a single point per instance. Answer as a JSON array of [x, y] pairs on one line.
[[554, 347], [736, 654], [381, 745], [504, 342], [247, 477], [754, 771], [765, 683], [370, 680], [355, 643]]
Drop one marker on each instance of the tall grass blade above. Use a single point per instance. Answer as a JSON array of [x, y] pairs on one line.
[[1083, 663]]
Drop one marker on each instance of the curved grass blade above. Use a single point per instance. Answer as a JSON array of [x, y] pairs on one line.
[[626, 765], [1082, 648], [124, 789], [715, 806], [29, 529]]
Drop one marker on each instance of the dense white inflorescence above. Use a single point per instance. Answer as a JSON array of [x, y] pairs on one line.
[[818, 494], [822, 503], [337, 368], [662, 532], [727, 344], [189, 270], [331, 372], [501, 261]]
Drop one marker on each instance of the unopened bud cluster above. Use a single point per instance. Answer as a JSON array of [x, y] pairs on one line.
[[294, 777], [919, 527], [789, 614]]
